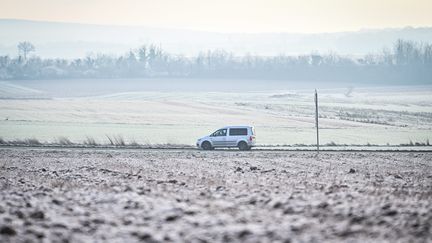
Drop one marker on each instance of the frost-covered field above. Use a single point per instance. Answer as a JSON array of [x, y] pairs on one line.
[[179, 111], [215, 196]]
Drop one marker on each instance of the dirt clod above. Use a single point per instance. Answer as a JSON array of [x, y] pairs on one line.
[[7, 230], [37, 215]]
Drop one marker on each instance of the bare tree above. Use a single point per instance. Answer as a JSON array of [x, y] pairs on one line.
[[24, 48]]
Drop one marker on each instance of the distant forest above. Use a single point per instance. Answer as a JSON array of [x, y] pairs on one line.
[[405, 62]]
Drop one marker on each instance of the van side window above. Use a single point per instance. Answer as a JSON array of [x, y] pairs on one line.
[[220, 133], [238, 132]]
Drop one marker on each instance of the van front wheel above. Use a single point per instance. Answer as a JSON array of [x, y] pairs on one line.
[[206, 145], [243, 146]]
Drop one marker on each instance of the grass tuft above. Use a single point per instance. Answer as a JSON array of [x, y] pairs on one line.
[[332, 143], [116, 140], [33, 141], [64, 141], [134, 143], [90, 141]]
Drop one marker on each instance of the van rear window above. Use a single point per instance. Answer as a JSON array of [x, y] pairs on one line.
[[238, 132]]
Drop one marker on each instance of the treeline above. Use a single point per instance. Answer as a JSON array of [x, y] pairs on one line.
[[406, 61]]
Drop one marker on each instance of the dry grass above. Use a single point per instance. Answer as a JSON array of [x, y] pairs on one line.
[[90, 141], [119, 141], [134, 143], [116, 140], [64, 141]]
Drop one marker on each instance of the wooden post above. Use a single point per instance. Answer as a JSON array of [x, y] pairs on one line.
[[316, 120]]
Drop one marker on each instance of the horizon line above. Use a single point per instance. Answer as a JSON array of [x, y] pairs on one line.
[[217, 32]]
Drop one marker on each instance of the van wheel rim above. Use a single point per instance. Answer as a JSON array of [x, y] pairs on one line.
[[206, 146], [243, 146]]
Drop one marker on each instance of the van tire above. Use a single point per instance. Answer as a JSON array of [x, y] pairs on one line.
[[243, 146], [206, 145]]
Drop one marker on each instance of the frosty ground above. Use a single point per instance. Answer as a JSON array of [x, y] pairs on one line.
[[81, 195]]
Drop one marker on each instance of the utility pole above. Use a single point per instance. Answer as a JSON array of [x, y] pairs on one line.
[[316, 120]]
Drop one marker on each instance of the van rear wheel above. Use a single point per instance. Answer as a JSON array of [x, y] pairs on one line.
[[243, 146], [206, 145]]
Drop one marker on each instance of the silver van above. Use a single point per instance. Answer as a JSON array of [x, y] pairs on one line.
[[242, 137]]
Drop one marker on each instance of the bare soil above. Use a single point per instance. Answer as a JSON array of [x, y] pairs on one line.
[[82, 195]]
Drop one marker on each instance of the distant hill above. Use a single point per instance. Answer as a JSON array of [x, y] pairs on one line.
[[70, 40]]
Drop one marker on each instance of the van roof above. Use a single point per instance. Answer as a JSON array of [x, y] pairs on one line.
[[238, 127]]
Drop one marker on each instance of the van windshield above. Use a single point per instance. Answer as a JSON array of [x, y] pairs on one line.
[[220, 132]]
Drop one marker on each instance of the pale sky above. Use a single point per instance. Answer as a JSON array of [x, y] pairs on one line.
[[301, 16]]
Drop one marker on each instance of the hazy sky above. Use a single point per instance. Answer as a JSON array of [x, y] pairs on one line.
[[229, 15]]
